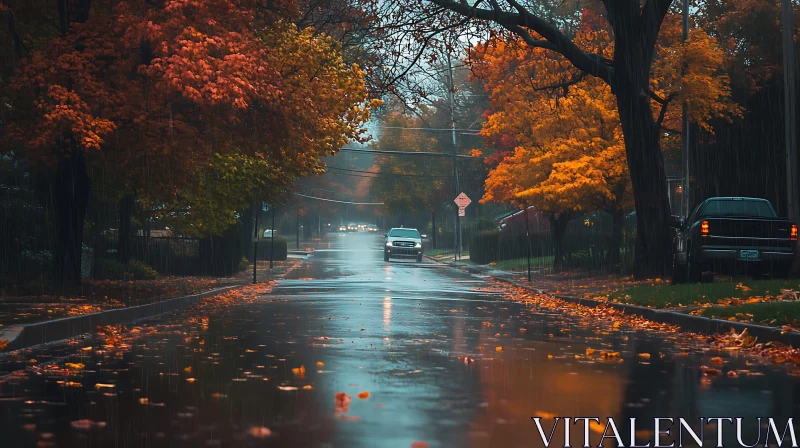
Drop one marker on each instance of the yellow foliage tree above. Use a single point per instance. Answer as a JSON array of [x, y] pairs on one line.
[[570, 154]]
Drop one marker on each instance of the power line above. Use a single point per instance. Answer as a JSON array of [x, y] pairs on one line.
[[391, 174], [382, 172], [405, 153], [423, 129], [340, 202]]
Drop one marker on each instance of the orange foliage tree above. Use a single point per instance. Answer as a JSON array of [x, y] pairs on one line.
[[635, 27], [570, 152], [153, 91]]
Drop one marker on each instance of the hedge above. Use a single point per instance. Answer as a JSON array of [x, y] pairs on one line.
[[265, 246]]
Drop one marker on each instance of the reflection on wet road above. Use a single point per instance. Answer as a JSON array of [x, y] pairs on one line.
[[446, 359]]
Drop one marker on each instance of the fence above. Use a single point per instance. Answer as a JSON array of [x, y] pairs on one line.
[[587, 244], [167, 255]]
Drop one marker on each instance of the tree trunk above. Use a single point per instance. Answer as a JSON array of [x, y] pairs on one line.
[[125, 229], [615, 240], [558, 230], [71, 193], [643, 151], [433, 229], [248, 230], [70, 11]]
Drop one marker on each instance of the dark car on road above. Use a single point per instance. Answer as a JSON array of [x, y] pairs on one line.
[[402, 242], [733, 233]]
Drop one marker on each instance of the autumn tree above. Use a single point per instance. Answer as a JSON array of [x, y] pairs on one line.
[[160, 93], [634, 29], [569, 137], [408, 184]]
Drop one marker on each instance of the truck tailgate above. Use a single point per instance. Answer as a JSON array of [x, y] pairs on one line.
[[750, 232]]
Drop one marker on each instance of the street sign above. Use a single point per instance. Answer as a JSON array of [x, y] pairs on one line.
[[461, 211], [462, 201]]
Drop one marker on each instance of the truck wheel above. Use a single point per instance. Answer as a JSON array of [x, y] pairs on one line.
[[679, 272], [694, 272], [385, 256]]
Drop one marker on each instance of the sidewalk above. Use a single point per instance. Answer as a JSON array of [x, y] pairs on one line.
[[84, 319], [571, 291], [26, 306], [581, 284]]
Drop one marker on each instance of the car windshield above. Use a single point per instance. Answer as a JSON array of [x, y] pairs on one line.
[[738, 207], [404, 233]]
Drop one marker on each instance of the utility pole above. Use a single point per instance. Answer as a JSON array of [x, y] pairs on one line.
[[255, 241], [455, 146], [272, 239], [685, 129], [790, 113], [527, 239], [297, 229]]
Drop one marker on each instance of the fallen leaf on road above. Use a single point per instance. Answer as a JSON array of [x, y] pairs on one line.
[[342, 402], [86, 424], [363, 395], [259, 432]]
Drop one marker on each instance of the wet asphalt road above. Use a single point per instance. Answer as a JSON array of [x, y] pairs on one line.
[[446, 358]]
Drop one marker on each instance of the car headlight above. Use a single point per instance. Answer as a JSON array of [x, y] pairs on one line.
[[388, 243], [417, 244]]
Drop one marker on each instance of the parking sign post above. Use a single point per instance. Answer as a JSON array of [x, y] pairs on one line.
[[462, 201]]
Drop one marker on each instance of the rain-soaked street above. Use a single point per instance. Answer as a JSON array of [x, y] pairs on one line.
[[428, 356]]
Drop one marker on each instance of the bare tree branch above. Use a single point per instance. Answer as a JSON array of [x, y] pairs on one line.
[[591, 63], [664, 104], [564, 85]]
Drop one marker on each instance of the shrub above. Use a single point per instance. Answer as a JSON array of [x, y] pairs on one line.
[[243, 264], [483, 224], [281, 249], [114, 270], [109, 269], [483, 247], [139, 270]]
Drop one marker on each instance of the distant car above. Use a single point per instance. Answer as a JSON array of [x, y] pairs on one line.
[[362, 227], [403, 243], [352, 227], [372, 228], [269, 233], [342, 228], [733, 232]]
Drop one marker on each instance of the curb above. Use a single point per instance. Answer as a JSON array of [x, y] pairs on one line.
[[697, 324], [39, 333]]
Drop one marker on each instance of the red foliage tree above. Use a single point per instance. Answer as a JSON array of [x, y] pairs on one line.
[[152, 90]]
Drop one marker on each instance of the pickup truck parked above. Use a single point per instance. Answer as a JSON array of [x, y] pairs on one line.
[[734, 233]]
